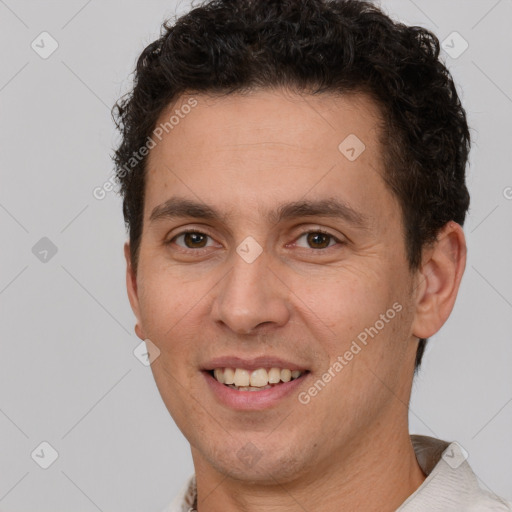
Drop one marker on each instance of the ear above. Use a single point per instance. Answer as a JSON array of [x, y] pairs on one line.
[[438, 280], [131, 287]]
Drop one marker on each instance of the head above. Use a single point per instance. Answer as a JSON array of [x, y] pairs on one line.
[[257, 122]]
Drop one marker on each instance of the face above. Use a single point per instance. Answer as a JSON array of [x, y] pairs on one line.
[[267, 245]]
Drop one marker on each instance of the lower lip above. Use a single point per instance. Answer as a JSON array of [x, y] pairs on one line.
[[252, 400]]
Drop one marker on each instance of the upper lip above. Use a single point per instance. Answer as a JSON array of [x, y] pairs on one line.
[[251, 363]]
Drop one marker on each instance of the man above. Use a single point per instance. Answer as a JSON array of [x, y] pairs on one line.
[[293, 175]]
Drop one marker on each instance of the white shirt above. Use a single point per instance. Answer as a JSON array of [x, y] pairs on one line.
[[450, 486]]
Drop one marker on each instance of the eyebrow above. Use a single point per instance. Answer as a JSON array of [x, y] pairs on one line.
[[178, 207]]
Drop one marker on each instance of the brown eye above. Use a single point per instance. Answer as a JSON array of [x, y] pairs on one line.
[[191, 240], [319, 240], [194, 240]]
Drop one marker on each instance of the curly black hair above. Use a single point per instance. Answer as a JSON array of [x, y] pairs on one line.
[[314, 46]]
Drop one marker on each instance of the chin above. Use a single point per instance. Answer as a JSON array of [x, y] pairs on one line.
[[259, 466]]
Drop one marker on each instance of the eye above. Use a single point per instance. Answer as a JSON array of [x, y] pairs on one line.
[[319, 239], [191, 240]]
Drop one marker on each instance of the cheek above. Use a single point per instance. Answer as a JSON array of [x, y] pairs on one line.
[[166, 311], [166, 300], [344, 302]]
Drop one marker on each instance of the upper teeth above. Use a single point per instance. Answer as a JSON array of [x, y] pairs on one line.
[[257, 378]]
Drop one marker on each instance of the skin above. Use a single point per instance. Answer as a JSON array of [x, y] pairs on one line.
[[302, 300]]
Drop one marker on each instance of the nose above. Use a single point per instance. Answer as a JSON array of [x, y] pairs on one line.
[[251, 299]]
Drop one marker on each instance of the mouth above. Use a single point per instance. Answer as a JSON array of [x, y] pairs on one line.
[[260, 379]]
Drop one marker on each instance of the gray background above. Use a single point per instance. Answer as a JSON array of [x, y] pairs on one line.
[[68, 373]]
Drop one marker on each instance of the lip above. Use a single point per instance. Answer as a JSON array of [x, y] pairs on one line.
[[252, 363], [252, 400]]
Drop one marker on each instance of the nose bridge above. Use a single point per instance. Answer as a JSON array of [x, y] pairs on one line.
[[250, 294]]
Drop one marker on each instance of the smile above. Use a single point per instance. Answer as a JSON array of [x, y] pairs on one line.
[[256, 380]]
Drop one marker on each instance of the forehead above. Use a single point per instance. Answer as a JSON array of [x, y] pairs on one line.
[[279, 117], [245, 151]]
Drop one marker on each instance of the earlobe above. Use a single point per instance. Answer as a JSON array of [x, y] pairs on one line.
[[131, 287], [439, 279], [139, 332]]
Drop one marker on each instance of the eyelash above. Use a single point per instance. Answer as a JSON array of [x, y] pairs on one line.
[[195, 231]]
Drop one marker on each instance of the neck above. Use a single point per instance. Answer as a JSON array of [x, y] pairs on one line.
[[377, 475]]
